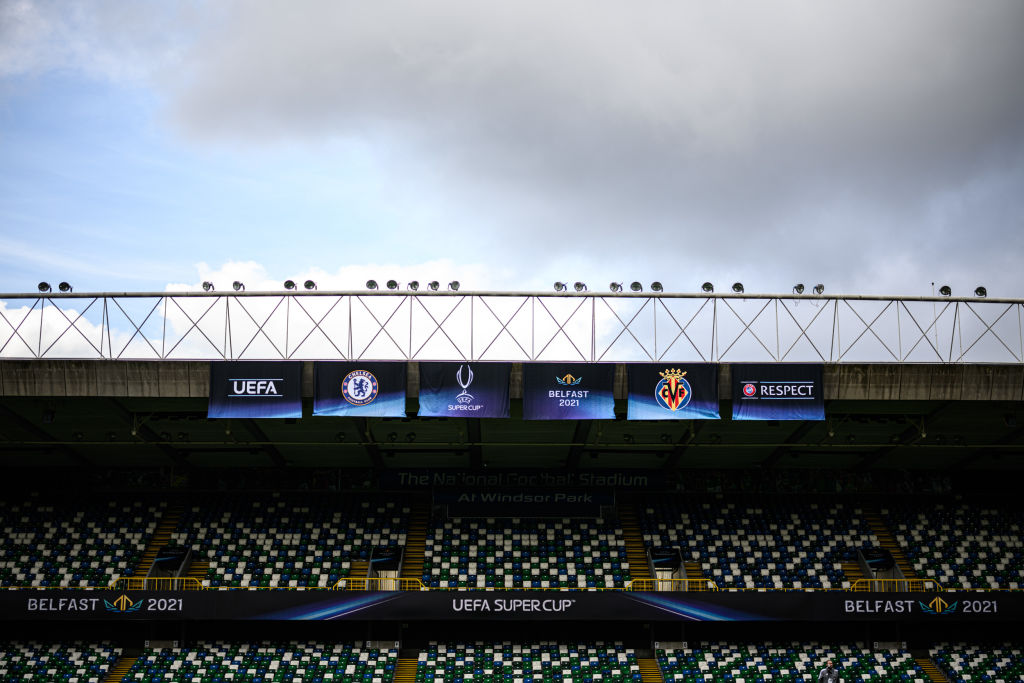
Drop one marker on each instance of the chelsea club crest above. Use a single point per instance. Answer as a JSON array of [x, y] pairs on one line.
[[359, 387]]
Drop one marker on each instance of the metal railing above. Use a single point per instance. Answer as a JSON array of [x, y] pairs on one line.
[[511, 326], [896, 586], [378, 584], [636, 585], [163, 583], [700, 585]]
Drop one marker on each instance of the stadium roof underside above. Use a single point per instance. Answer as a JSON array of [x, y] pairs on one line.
[[153, 414]]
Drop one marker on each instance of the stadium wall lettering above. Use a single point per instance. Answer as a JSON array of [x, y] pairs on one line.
[[518, 479], [316, 605]]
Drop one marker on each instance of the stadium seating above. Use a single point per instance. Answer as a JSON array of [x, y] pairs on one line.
[[37, 663], [73, 544], [226, 662], [963, 662], [490, 663], [525, 553], [961, 545], [275, 541], [786, 662], [767, 543]]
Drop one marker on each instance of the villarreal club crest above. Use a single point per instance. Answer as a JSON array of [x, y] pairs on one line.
[[673, 391]]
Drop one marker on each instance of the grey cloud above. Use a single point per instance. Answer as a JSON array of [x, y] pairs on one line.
[[874, 142]]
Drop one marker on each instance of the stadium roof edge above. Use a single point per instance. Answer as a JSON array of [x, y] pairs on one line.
[[489, 293]]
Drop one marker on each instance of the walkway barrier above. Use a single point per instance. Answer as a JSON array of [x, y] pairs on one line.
[[896, 586], [163, 583], [700, 585]]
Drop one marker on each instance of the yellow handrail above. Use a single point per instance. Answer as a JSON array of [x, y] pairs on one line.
[[189, 583], [362, 583], [701, 585], [896, 585], [162, 583]]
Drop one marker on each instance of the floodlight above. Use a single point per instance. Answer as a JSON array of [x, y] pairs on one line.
[[433, 285], [798, 288], [453, 286], [289, 284], [44, 287], [656, 287], [737, 287], [707, 288], [392, 284], [237, 286], [580, 287], [371, 284], [636, 287], [208, 286], [560, 286], [980, 292], [819, 288], [64, 287], [615, 286], [944, 290], [309, 284], [414, 285]]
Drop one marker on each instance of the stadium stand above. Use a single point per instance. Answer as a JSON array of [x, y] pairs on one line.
[[39, 663], [960, 544], [763, 543], [758, 663], [290, 541], [968, 663], [525, 553], [74, 544], [547, 661], [217, 662]]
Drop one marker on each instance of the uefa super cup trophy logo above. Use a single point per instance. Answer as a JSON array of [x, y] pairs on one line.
[[464, 396]]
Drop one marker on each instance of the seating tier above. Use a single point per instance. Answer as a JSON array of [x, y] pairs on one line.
[[40, 663], [525, 553], [768, 543], [961, 545], [222, 662], [518, 663], [964, 663], [288, 541], [771, 662], [47, 542]]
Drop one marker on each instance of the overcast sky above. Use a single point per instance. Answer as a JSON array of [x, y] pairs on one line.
[[875, 147]]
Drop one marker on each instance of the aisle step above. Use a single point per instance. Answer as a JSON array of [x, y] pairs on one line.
[[161, 537], [888, 541], [119, 670], [931, 670], [416, 543], [405, 670], [650, 672], [636, 552], [693, 571]]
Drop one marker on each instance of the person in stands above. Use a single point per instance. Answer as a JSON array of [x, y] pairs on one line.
[[829, 674]]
